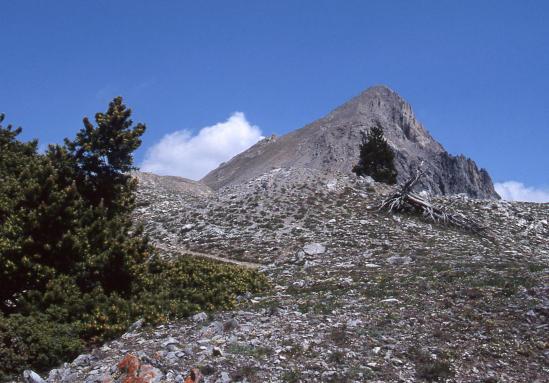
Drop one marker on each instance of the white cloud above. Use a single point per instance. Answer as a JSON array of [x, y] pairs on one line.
[[517, 191], [192, 156]]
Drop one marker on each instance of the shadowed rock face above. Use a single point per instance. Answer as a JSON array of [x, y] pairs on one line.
[[332, 143]]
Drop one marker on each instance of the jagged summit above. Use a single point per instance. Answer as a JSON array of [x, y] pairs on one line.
[[332, 143]]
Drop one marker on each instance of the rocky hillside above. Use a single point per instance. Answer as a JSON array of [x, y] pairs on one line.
[[332, 143], [357, 295], [172, 185]]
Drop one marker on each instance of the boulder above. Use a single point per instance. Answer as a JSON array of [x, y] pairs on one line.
[[314, 248]]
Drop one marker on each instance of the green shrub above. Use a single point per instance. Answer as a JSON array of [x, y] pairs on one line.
[[62, 321], [35, 342], [429, 368]]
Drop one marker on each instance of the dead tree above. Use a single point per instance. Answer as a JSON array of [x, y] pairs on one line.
[[405, 200]]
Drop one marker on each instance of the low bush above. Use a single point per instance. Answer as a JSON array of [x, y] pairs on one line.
[[35, 341], [64, 321]]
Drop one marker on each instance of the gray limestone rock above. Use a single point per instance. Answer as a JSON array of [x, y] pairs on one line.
[[314, 248], [136, 325], [200, 317], [332, 143], [30, 376], [82, 360]]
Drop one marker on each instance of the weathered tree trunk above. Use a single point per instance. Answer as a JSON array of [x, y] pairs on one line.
[[403, 199]]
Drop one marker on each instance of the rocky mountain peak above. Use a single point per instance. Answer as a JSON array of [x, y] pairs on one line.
[[383, 106], [332, 143]]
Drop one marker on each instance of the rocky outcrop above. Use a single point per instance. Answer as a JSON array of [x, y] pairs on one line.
[[332, 143]]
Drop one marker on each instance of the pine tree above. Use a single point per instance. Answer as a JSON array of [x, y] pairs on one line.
[[66, 213], [103, 156], [19, 168], [376, 157], [73, 268]]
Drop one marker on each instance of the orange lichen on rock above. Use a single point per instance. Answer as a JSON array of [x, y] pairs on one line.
[[130, 364], [194, 377], [135, 372], [148, 373]]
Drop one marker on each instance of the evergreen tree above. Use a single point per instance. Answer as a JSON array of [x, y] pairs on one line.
[[67, 213], [73, 268], [19, 168], [376, 157], [103, 157]]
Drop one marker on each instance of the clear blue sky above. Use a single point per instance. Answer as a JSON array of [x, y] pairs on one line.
[[475, 72]]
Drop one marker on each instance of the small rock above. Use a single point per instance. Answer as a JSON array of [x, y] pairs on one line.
[[130, 364], [216, 351], [225, 378], [309, 264], [396, 260], [230, 325], [194, 376], [352, 323], [214, 328], [82, 360], [207, 370], [172, 357], [133, 370], [200, 317], [150, 374], [187, 227], [57, 374], [244, 297], [314, 248], [371, 265], [136, 325], [170, 341], [30, 376]]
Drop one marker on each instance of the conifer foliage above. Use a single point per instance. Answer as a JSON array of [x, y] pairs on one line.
[[376, 157], [74, 268], [68, 211], [103, 155]]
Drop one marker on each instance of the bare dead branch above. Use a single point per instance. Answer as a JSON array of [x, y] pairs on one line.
[[403, 199]]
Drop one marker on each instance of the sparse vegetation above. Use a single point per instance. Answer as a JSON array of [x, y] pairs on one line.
[[431, 368]]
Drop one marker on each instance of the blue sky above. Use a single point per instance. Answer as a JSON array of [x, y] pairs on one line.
[[475, 72]]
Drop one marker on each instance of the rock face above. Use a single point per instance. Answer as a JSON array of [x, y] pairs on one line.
[[332, 143]]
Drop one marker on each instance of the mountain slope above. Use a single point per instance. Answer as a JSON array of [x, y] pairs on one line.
[[332, 143], [358, 295], [173, 184]]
